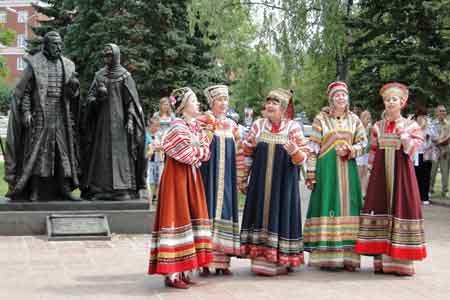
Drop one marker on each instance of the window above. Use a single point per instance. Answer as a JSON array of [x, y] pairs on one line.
[[22, 16], [2, 16], [21, 42], [21, 64]]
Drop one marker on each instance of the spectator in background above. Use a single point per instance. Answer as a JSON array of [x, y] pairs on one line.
[[164, 115], [423, 158], [363, 160], [441, 143], [155, 156]]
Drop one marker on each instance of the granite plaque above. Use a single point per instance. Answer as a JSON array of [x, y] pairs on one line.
[[77, 227]]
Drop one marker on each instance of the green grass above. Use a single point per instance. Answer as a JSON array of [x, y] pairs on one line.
[[3, 184]]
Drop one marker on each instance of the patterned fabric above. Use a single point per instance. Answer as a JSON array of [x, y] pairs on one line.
[[164, 122], [220, 260], [214, 92], [387, 264], [187, 143], [332, 222], [334, 87], [181, 237], [395, 89], [219, 178], [328, 132], [295, 135], [282, 96], [336, 259], [410, 140], [263, 267], [271, 223], [391, 221]]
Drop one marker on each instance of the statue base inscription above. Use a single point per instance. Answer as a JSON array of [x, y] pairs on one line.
[[77, 227]]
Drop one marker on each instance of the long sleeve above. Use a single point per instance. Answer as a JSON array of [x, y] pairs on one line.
[[238, 145], [373, 144], [204, 147], [184, 146], [296, 137], [245, 160], [412, 138], [359, 140], [315, 143]]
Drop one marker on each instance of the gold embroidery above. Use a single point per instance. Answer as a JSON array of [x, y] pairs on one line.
[[221, 179], [272, 140], [268, 186]]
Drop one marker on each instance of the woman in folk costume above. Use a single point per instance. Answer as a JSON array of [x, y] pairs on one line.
[[181, 237], [332, 222], [391, 223], [219, 178], [271, 225]]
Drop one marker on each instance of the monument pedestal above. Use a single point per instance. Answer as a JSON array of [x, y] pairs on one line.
[[29, 218]]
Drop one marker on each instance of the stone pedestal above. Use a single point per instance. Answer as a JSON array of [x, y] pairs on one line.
[[28, 218]]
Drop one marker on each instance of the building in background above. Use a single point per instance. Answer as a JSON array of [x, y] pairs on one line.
[[19, 16]]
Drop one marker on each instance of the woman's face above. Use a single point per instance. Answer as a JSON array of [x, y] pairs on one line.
[[154, 126], [220, 105], [392, 104], [340, 101], [273, 110], [164, 107], [191, 108], [366, 120], [422, 121]]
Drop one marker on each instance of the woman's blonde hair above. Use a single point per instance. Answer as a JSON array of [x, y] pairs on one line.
[[365, 114], [162, 101]]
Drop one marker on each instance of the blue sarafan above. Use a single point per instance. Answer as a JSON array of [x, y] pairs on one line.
[[271, 233], [219, 178]]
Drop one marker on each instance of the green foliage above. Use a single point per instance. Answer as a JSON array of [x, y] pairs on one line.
[[311, 86], [60, 15], [5, 96], [406, 41], [261, 73], [7, 38], [307, 40], [156, 44]]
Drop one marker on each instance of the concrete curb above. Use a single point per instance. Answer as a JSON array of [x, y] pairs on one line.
[[440, 202]]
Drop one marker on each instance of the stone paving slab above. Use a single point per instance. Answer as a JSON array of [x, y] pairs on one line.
[[33, 268]]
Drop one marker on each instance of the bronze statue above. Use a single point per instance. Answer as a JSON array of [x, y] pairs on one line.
[[113, 134], [41, 156]]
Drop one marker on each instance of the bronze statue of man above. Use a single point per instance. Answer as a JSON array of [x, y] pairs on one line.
[[41, 159], [113, 132]]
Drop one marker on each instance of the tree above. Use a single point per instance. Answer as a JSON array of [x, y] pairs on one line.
[[60, 14], [6, 92], [262, 73], [7, 38], [309, 35], [155, 43], [406, 41]]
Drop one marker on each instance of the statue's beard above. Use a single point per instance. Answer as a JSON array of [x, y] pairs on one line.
[[52, 54]]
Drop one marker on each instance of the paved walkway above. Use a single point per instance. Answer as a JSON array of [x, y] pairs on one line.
[[32, 268]]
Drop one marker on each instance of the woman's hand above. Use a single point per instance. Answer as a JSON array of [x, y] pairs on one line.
[[342, 150], [290, 147]]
